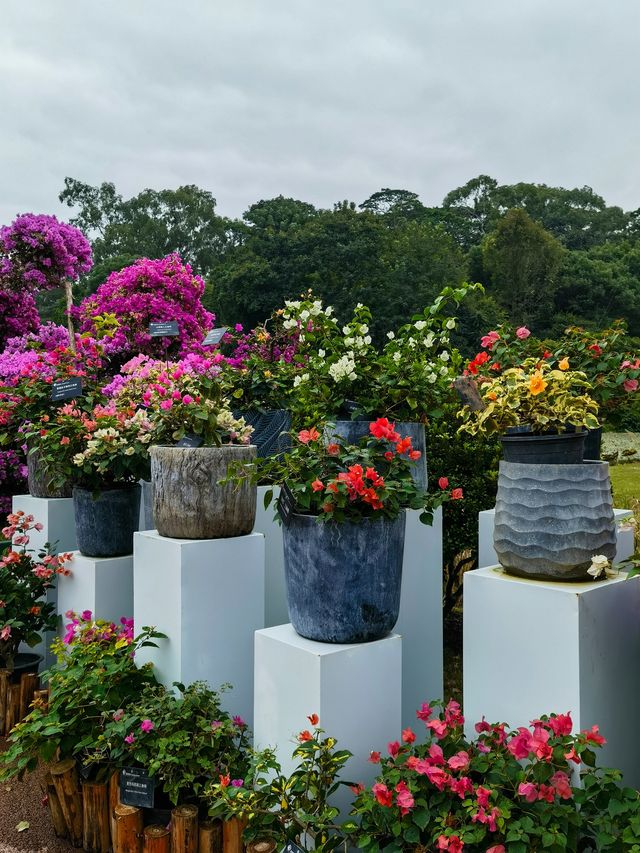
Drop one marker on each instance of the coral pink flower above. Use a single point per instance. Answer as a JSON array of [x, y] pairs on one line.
[[560, 782], [382, 794], [572, 755], [404, 798], [593, 736], [457, 494], [393, 748], [146, 726], [520, 745], [529, 791], [425, 712], [374, 757], [438, 727], [317, 485], [459, 761], [483, 795], [522, 333], [547, 793], [130, 738], [489, 340], [482, 726], [307, 435], [561, 724], [408, 736], [497, 848], [5, 633], [443, 482], [436, 755], [630, 384]]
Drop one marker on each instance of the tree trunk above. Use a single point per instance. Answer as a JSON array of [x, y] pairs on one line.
[[157, 839], [68, 290], [128, 822], [210, 837], [65, 781], [57, 818], [232, 835], [96, 837], [28, 685], [184, 829]]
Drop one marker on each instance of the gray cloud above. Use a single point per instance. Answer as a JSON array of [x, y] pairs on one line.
[[318, 99]]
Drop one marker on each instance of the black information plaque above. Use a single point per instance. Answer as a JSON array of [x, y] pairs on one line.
[[137, 788], [214, 337], [190, 440], [286, 504], [164, 330], [66, 389]]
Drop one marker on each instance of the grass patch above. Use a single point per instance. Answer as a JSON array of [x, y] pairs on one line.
[[625, 483]]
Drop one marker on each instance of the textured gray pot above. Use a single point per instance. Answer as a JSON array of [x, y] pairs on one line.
[[188, 503], [343, 580], [105, 524], [350, 432], [40, 483], [147, 504], [270, 430], [550, 520]]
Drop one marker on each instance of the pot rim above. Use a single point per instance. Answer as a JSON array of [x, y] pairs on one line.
[[530, 436], [233, 447], [313, 518], [119, 487]]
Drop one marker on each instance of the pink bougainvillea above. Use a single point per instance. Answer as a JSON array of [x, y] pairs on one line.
[[148, 291]]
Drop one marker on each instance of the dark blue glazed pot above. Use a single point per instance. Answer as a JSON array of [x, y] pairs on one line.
[[343, 580], [106, 522], [350, 432]]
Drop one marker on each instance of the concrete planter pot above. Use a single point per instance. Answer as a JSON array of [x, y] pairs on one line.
[[39, 483], [344, 580], [106, 521], [550, 520], [188, 503], [270, 430], [566, 448], [350, 432]]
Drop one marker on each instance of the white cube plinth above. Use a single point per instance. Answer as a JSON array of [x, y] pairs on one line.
[[488, 557], [207, 595], [56, 517], [420, 622], [535, 647], [275, 593], [354, 689], [103, 585]]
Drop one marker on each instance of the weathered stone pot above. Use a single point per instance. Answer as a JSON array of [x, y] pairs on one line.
[[106, 521], [147, 504], [188, 503], [350, 432], [344, 580], [270, 430], [40, 485], [565, 448], [550, 520]]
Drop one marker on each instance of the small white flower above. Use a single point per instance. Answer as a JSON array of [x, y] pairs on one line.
[[451, 324], [364, 329], [329, 311], [396, 357], [304, 315], [429, 339], [432, 378], [359, 305], [301, 338], [345, 330], [348, 342], [391, 335], [411, 342], [420, 325], [367, 339], [290, 324], [321, 353], [444, 370], [444, 356]]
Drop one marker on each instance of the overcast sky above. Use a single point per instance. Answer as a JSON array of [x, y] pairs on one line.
[[317, 99]]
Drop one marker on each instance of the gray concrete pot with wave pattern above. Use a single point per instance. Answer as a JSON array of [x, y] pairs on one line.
[[344, 580], [107, 520]]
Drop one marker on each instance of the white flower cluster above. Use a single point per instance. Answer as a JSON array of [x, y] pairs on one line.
[[356, 335], [293, 315], [237, 428], [343, 368]]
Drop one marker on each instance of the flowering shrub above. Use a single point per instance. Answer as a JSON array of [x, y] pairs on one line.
[[24, 581], [350, 482], [184, 741], [180, 398], [534, 395], [148, 291], [288, 808], [342, 372], [96, 675], [38, 252], [18, 315], [506, 791]]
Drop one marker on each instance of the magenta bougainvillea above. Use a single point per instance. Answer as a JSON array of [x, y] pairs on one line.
[[148, 291], [18, 314], [38, 252]]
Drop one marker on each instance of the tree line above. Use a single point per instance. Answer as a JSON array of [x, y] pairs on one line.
[[548, 257]]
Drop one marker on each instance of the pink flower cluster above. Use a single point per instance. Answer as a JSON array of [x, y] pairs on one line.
[[149, 291], [38, 252], [83, 628]]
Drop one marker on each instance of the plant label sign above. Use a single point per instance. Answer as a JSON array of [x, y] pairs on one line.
[[214, 337], [292, 847], [190, 440], [286, 504], [137, 788], [66, 389], [164, 330]]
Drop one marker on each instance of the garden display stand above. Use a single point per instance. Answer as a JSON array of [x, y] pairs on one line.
[[103, 585], [58, 526], [207, 595], [354, 689], [420, 620], [487, 555], [534, 647]]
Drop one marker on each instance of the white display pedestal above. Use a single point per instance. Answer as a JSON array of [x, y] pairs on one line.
[[103, 585], [58, 528], [275, 594], [354, 689], [420, 621], [536, 647], [488, 557], [207, 595]]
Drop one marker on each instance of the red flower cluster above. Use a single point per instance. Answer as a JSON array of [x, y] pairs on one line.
[[478, 361]]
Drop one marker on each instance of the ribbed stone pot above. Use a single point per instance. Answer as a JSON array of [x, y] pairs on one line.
[[270, 430], [550, 520], [147, 504], [344, 580], [350, 432], [188, 503], [39, 482], [107, 520]]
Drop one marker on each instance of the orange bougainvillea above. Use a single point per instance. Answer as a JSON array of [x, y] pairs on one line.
[[537, 384]]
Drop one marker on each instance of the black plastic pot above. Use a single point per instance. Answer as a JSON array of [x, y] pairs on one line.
[[106, 522], [343, 580], [270, 430], [23, 662], [565, 448], [593, 444]]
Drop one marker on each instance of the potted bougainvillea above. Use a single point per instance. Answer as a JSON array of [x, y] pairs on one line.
[[343, 513], [25, 580]]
